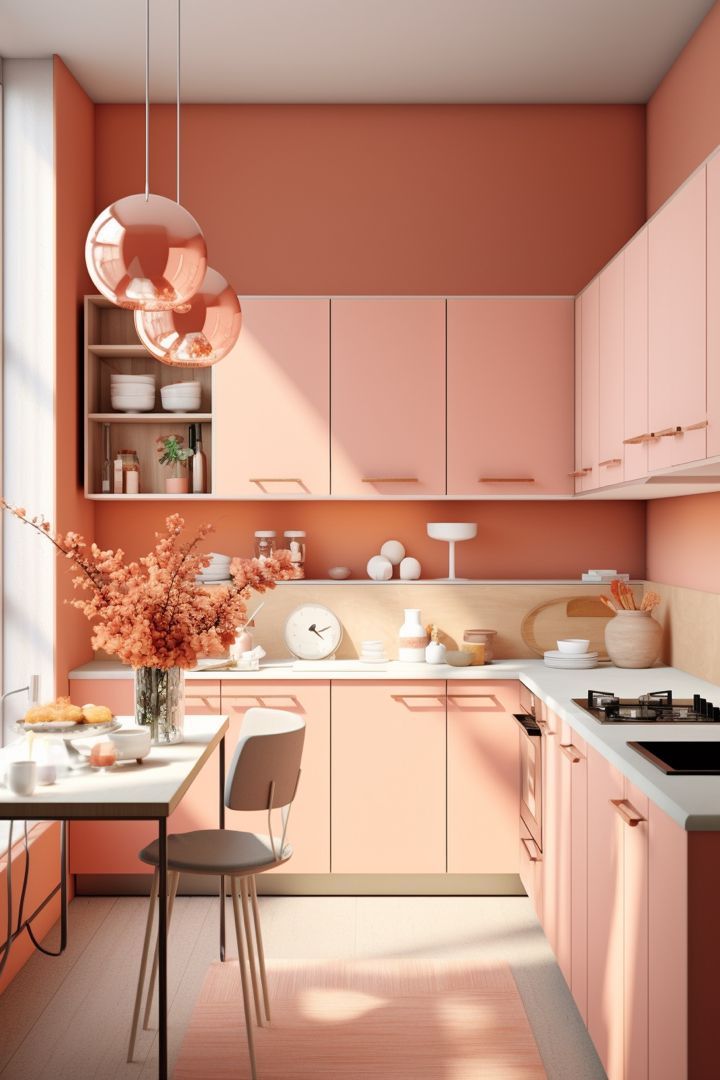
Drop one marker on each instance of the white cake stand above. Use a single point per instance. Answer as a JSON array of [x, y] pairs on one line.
[[451, 532]]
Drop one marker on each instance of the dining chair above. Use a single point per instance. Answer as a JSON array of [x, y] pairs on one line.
[[263, 775]]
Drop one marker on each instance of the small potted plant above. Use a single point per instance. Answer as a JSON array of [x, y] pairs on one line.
[[173, 453]]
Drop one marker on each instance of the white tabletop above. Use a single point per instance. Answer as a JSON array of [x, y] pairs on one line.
[[150, 790]]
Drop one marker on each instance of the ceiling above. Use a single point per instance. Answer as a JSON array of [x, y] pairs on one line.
[[362, 51]]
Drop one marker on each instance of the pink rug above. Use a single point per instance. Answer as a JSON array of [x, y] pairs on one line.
[[365, 1020]]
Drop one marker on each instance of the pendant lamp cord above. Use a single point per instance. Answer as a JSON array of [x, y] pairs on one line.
[[177, 118], [147, 100]]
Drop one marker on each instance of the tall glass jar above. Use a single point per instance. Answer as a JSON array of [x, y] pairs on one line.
[[296, 546], [264, 543], [160, 703]]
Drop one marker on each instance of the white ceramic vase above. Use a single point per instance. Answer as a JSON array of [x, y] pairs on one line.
[[412, 638]]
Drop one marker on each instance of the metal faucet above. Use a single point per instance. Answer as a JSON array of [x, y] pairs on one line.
[[32, 689]]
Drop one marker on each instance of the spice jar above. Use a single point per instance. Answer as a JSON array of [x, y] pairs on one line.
[[126, 473], [264, 543], [296, 545], [480, 637]]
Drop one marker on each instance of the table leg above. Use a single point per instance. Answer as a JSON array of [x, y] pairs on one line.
[[221, 822], [63, 887], [162, 952]]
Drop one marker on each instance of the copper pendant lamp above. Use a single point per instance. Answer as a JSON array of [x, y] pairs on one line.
[[146, 252], [203, 330]]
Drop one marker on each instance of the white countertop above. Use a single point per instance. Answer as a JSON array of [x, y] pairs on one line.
[[692, 801]]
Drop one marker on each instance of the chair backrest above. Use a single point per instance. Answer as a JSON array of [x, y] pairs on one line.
[[266, 763]]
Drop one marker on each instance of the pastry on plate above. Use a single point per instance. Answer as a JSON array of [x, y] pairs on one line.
[[96, 714], [56, 711]]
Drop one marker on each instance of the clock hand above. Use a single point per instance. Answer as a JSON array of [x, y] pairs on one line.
[[313, 630], [324, 629]]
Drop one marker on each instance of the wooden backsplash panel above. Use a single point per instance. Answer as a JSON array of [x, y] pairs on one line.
[[691, 625]]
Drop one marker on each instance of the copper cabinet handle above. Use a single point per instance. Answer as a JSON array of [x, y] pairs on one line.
[[274, 480], [580, 472], [636, 439], [696, 427], [571, 753], [533, 855], [667, 433], [506, 480], [610, 462], [390, 480], [627, 812]]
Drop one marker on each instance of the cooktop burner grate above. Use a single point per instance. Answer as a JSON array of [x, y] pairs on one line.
[[656, 707]]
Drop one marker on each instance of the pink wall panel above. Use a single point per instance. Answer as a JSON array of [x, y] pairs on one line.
[[682, 541], [515, 540], [683, 115]]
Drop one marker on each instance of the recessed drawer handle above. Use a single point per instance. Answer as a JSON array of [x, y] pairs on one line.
[[627, 812], [571, 753], [580, 472], [390, 480], [533, 853], [506, 480], [610, 462], [636, 439]]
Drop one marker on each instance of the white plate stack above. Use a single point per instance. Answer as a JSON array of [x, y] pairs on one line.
[[181, 397], [217, 573], [132, 393], [372, 652], [572, 653]]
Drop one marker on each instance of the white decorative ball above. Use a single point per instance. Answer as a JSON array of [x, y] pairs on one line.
[[379, 568], [410, 569], [394, 551]]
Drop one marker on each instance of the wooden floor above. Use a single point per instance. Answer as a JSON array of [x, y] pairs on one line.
[[69, 1017]]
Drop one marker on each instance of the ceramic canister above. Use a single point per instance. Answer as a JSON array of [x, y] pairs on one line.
[[412, 638]]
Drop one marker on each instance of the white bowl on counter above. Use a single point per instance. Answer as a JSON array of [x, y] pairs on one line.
[[573, 646]]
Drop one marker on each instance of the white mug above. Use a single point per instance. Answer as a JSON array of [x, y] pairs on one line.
[[21, 777]]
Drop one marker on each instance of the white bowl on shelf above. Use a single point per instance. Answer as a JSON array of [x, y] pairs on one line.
[[184, 397], [573, 646], [133, 405], [131, 380]]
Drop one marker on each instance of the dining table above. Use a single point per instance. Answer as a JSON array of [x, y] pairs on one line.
[[146, 791]]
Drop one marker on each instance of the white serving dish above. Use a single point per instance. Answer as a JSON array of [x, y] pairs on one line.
[[452, 530], [569, 665], [573, 646], [556, 654]]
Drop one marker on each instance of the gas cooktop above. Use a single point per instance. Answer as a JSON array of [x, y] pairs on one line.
[[657, 707]]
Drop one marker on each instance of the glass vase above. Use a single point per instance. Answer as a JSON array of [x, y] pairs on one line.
[[160, 703]]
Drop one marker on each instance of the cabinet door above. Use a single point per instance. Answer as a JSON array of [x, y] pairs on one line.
[[636, 431], [483, 778], [713, 315], [668, 948], [309, 826], [574, 751], [589, 385], [111, 847], [635, 952], [677, 322], [388, 778], [578, 474], [510, 395], [611, 363], [388, 397], [556, 843], [605, 914], [271, 402]]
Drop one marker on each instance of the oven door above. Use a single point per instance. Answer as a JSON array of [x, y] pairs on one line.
[[531, 776]]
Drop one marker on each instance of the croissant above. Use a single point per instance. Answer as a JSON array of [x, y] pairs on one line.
[[96, 714]]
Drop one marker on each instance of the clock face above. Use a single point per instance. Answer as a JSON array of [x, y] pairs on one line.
[[312, 632]]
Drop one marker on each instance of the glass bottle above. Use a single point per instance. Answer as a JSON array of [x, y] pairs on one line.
[[264, 543], [107, 467], [296, 546], [198, 462]]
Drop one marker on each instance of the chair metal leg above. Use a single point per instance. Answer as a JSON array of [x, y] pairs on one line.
[[174, 880], [244, 979], [251, 949], [143, 965], [259, 942]]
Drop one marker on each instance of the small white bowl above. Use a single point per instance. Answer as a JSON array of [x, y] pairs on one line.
[[339, 573], [131, 380], [457, 658], [573, 646], [132, 743]]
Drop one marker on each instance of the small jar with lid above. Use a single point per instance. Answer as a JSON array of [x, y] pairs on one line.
[[265, 543], [126, 473], [296, 546]]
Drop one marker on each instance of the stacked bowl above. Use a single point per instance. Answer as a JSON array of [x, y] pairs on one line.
[[132, 393], [181, 397], [217, 573], [572, 653]]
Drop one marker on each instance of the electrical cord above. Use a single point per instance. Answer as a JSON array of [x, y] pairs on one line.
[[8, 941], [23, 891]]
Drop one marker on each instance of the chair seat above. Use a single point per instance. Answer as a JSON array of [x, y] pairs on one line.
[[218, 851]]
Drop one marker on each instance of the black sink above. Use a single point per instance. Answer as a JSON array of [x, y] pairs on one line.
[[682, 758]]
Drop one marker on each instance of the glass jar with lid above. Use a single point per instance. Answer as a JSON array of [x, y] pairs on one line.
[[126, 479], [264, 543], [296, 546]]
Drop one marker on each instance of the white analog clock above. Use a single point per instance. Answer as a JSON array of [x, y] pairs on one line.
[[312, 632]]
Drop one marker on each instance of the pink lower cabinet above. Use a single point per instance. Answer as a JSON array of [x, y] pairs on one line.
[[309, 824], [510, 368], [108, 847], [483, 777], [617, 921], [388, 777], [388, 396], [282, 362]]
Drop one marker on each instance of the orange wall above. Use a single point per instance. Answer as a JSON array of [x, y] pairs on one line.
[[515, 540], [683, 115], [74, 208], [682, 541], [393, 199]]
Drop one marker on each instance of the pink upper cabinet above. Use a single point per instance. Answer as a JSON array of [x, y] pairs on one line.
[[589, 385], [271, 402], [388, 397], [612, 358], [713, 311], [578, 474], [636, 430], [510, 396], [677, 347]]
